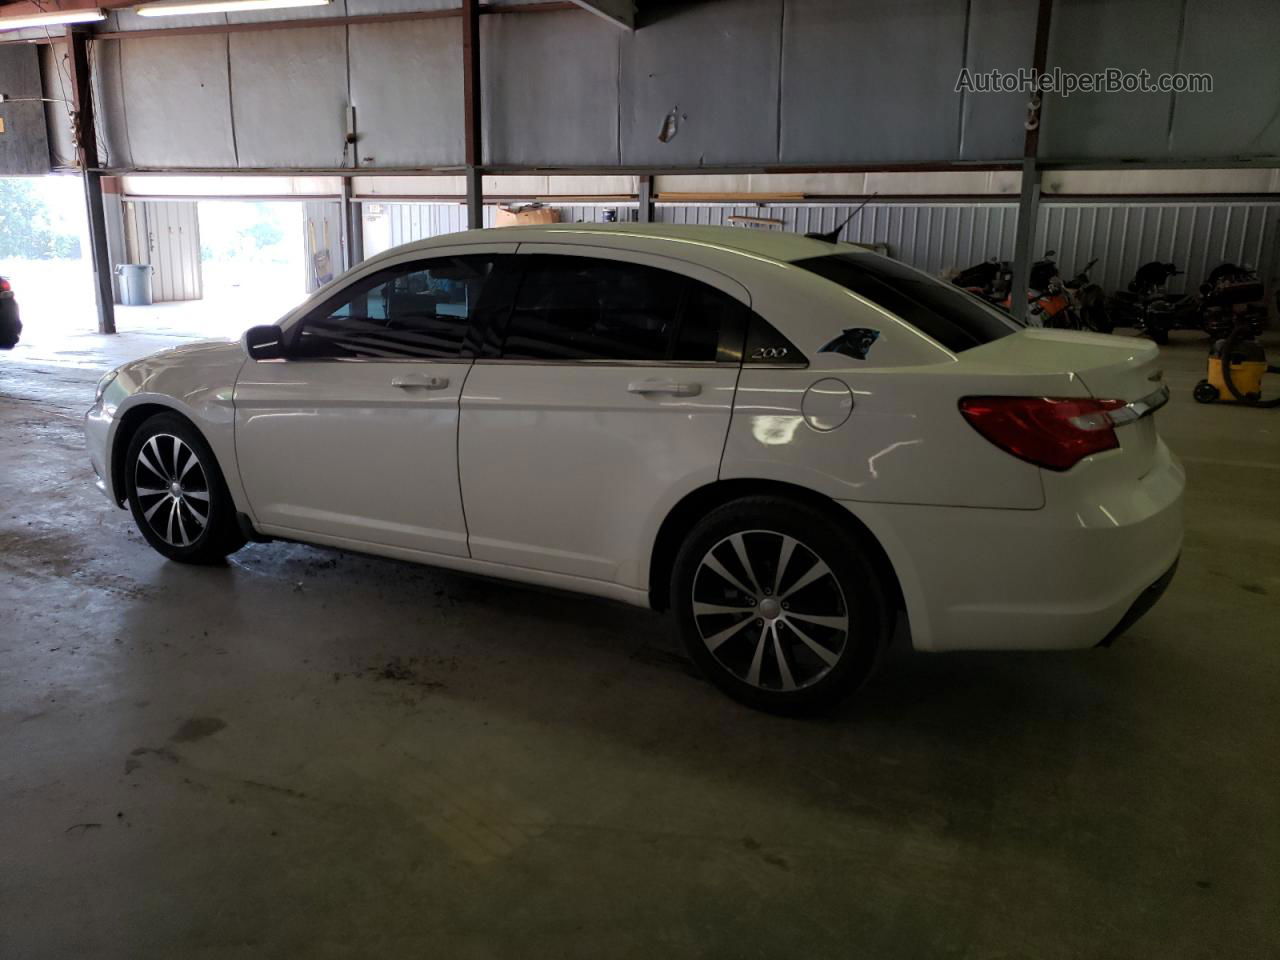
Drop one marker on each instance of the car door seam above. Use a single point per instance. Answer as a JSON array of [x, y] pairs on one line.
[[235, 440], [733, 412], [457, 459]]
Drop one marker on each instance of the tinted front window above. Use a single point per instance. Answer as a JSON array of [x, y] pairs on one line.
[[416, 311], [956, 319]]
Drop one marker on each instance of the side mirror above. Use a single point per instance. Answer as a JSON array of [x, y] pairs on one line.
[[264, 343]]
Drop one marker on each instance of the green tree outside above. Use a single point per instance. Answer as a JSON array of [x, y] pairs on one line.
[[25, 233]]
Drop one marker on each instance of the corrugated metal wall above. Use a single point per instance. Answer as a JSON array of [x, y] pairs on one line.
[[936, 237], [166, 235], [1194, 236], [388, 225], [944, 237]]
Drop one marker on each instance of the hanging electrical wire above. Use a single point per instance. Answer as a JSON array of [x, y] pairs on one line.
[[96, 102], [60, 70]]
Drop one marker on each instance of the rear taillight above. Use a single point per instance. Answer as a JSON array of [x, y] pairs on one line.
[[1052, 433], [4, 285]]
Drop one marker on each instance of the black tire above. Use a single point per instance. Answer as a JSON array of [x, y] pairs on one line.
[[169, 516], [765, 634], [1096, 319], [1159, 335], [1205, 392]]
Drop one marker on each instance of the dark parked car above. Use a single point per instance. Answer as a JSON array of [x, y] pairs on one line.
[[10, 325]]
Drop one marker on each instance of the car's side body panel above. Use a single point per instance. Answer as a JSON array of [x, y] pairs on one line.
[[570, 466], [361, 449], [904, 440], [196, 380], [354, 450], [565, 469]]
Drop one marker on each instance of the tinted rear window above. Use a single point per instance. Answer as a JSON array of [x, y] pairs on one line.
[[955, 318]]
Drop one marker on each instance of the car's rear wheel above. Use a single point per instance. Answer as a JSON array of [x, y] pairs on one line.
[[176, 492], [779, 606]]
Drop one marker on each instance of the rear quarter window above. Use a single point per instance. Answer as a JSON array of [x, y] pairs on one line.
[[953, 317]]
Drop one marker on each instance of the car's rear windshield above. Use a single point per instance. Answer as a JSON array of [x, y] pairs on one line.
[[955, 318]]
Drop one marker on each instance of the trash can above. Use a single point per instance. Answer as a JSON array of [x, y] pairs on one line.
[[135, 284]]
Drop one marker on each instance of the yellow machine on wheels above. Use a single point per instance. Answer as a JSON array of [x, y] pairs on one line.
[[1236, 368]]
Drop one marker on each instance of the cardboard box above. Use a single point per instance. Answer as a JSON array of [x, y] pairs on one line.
[[529, 214]]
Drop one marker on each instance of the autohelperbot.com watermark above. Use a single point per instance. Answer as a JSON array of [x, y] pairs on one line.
[[1065, 83]]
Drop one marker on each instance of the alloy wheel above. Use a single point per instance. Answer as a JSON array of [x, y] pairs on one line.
[[172, 489], [770, 610]]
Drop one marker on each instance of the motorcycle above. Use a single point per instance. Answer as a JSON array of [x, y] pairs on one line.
[[989, 280], [1088, 301], [1231, 295], [1049, 302]]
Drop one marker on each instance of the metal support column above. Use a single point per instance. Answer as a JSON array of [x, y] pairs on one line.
[[1029, 199], [352, 226], [1023, 255], [475, 199], [87, 155], [471, 111], [645, 197]]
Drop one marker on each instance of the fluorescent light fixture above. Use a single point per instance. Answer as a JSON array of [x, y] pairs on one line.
[[166, 9], [54, 19]]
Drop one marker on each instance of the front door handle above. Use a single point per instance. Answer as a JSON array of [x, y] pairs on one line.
[[665, 386], [420, 383]]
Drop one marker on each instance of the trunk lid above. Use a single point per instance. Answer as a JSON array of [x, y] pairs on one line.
[[1107, 367], [1113, 368]]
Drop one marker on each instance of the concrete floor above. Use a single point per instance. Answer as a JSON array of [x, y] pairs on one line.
[[311, 753]]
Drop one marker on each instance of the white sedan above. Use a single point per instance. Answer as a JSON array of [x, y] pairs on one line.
[[791, 444]]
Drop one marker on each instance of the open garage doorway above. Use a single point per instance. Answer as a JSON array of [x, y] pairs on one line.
[[254, 260], [214, 267], [43, 253]]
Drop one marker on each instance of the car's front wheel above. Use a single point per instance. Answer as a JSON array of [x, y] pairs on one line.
[[778, 605], [176, 492]]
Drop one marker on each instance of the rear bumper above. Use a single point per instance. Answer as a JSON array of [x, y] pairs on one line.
[[1059, 578], [1138, 609]]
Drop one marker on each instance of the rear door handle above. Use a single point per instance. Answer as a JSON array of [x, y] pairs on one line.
[[420, 383], [665, 386]]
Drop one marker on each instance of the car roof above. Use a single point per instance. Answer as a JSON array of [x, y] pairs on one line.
[[774, 244]]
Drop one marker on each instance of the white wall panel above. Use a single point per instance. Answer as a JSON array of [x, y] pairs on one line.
[[107, 80], [999, 36], [1092, 35], [716, 65], [177, 101], [1235, 41], [869, 82], [289, 97], [752, 82], [550, 89], [406, 86]]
